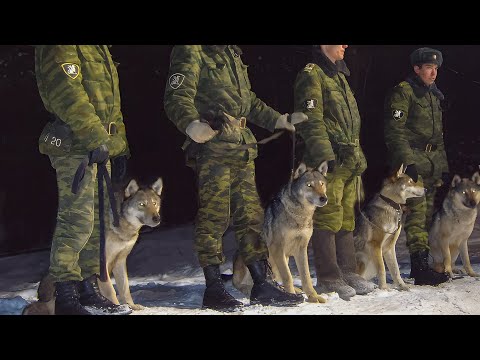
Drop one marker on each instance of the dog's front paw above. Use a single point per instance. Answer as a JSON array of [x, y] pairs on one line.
[[316, 299], [383, 287], [403, 287], [297, 290], [458, 271], [136, 306], [473, 274]]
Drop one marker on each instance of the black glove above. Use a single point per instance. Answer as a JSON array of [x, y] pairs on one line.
[[331, 165], [412, 172], [119, 168], [98, 156]]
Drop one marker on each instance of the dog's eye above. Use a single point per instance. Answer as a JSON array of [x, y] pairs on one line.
[[309, 185], [473, 190], [464, 192], [141, 204], [154, 203]]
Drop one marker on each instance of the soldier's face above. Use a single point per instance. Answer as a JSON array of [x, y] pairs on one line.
[[335, 52], [427, 72]]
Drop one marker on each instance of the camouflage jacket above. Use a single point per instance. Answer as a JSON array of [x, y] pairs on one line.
[[413, 120], [79, 86], [332, 131], [206, 77]]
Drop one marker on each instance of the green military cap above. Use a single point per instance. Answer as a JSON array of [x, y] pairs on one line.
[[426, 55]]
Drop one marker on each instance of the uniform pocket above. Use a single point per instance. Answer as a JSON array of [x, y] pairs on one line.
[[93, 65]]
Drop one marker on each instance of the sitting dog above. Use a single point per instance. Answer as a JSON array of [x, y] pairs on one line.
[[453, 224], [378, 227], [139, 207], [287, 229]]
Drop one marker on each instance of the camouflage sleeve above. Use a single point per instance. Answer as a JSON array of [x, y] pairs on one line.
[[261, 114], [66, 95], [181, 87], [122, 133], [309, 99], [395, 116]]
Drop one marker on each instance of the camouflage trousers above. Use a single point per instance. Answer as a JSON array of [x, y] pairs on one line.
[[76, 240], [225, 190], [342, 193], [419, 217]]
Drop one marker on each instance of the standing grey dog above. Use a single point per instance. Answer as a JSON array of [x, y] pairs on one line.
[[287, 229], [453, 224], [378, 228]]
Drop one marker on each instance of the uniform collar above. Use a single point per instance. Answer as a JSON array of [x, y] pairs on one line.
[[329, 68], [420, 89]]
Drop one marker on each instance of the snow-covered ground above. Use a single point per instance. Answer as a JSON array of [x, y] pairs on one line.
[[165, 277]]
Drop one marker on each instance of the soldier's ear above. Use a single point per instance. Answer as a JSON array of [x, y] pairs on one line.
[[158, 186], [300, 170], [131, 188], [456, 180], [323, 168]]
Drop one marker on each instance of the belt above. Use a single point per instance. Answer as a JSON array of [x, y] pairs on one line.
[[427, 148]]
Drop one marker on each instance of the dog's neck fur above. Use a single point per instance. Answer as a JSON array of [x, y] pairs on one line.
[[126, 230], [464, 214], [395, 199]]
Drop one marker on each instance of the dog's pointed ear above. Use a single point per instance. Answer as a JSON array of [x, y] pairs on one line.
[[158, 186], [323, 168], [456, 180], [476, 178], [401, 170], [302, 168], [131, 188]]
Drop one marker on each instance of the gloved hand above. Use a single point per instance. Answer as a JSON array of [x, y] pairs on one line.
[[200, 132], [119, 168], [412, 172], [331, 165], [99, 155], [116, 145], [287, 121]]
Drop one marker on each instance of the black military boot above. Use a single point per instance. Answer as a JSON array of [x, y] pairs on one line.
[[266, 291], [95, 302], [216, 297], [67, 299], [422, 273]]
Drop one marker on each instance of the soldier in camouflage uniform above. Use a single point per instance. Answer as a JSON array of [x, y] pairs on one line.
[[79, 87], [332, 134], [414, 137], [202, 79]]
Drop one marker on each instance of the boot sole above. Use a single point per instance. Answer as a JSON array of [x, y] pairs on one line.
[[276, 303], [228, 309]]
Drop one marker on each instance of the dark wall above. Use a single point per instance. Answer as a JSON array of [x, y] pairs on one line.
[[28, 197]]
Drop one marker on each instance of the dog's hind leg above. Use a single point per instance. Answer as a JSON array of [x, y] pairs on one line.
[[282, 267], [107, 290], [121, 279], [466, 259], [301, 259]]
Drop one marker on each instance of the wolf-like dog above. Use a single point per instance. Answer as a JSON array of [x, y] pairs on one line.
[[453, 224], [287, 229], [378, 226], [139, 207]]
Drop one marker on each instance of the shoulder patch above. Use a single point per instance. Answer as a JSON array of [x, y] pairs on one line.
[[72, 70], [397, 114], [310, 104], [176, 80], [309, 67]]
